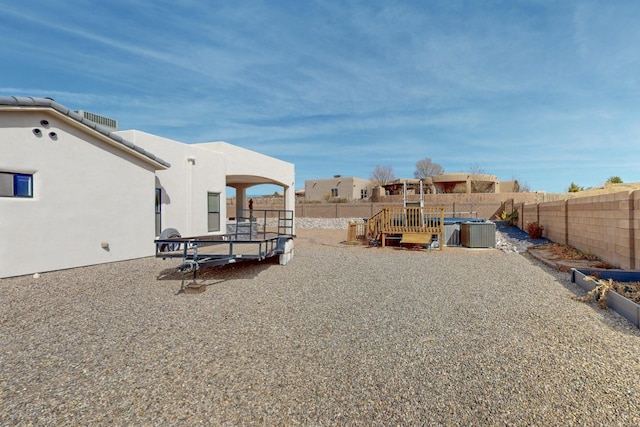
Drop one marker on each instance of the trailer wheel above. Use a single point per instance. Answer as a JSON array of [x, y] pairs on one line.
[[169, 233]]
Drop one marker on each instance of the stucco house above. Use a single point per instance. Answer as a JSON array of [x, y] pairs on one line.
[[74, 193], [206, 169], [338, 187]]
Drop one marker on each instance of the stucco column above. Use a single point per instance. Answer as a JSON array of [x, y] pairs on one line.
[[290, 203], [468, 185], [241, 201]]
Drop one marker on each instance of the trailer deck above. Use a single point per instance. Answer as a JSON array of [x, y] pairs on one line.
[[249, 240], [219, 250]]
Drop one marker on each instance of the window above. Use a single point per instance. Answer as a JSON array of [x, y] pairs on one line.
[[334, 192], [158, 211], [363, 193], [16, 185], [213, 211]]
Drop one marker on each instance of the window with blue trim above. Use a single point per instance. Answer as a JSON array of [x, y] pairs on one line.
[[16, 184]]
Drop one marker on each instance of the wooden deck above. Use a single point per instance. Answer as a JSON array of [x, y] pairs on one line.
[[414, 225]]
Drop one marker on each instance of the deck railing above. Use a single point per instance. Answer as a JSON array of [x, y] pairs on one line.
[[281, 219], [357, 232], [399, 220]]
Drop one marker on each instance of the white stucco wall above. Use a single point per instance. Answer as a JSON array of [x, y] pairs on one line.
[[240, 162], [85, 192], [185, 185]]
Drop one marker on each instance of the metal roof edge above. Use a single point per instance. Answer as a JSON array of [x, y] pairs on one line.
[[28, 101]]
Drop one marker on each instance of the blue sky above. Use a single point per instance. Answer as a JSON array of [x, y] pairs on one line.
[[546, 92]]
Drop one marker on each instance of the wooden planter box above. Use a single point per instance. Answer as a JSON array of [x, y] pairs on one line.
[[621, 305]]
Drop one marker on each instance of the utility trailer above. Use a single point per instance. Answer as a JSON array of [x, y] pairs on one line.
[[248, 239]]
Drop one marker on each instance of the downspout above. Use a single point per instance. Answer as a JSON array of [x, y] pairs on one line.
[[191, 161]]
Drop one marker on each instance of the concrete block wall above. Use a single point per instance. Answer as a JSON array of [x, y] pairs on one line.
[[366, 210], [485, 205], [553, 217], [603, 225], [635, 225], [529, 213], [606, 225]]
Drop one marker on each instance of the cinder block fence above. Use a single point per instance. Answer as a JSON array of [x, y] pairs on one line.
[[607, 225]]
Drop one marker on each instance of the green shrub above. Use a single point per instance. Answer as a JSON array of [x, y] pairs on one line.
[[506, 216]]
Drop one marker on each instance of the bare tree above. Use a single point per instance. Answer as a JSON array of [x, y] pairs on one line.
[[382, 175], [426, 168], [479, 186], [518, 187]]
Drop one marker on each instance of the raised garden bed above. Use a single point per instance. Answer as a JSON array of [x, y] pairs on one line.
[[565, 257], [624, 282]]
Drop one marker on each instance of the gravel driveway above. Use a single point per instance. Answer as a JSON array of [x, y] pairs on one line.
[[340, 336]]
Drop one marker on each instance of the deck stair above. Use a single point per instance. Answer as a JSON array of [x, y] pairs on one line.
[[413, 225]]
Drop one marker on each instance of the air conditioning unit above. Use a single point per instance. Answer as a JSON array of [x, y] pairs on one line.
[[478, 235]]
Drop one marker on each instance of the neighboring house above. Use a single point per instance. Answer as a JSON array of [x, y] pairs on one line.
[[351, 188], [412, 186], [338, 187], [447, 183], [73, 193], [465, 183]]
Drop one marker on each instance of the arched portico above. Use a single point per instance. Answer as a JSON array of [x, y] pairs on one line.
[[245, 169], [242, 184]]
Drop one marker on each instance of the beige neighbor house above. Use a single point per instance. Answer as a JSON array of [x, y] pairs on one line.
[[74, 193], [350, 188], [446, 183], [336, 188]]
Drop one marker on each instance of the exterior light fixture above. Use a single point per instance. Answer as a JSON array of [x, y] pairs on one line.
[[53, 136], [37, 132], [44, 123]]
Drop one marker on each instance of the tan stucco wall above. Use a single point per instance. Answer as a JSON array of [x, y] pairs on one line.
[[349, 188]]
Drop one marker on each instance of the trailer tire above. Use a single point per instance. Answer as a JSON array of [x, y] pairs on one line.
[[169, 233]]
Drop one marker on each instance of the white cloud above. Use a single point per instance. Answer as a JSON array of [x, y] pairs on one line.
[[546, 89]]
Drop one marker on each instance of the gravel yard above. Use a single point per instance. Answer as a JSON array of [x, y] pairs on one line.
[[342, 335]]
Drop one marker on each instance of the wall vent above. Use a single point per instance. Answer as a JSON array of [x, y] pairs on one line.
[[99, 120]]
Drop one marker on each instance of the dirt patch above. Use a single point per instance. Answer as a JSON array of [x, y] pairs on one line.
[[565, 257], [307, 237], [629, 290], [567, 252]]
